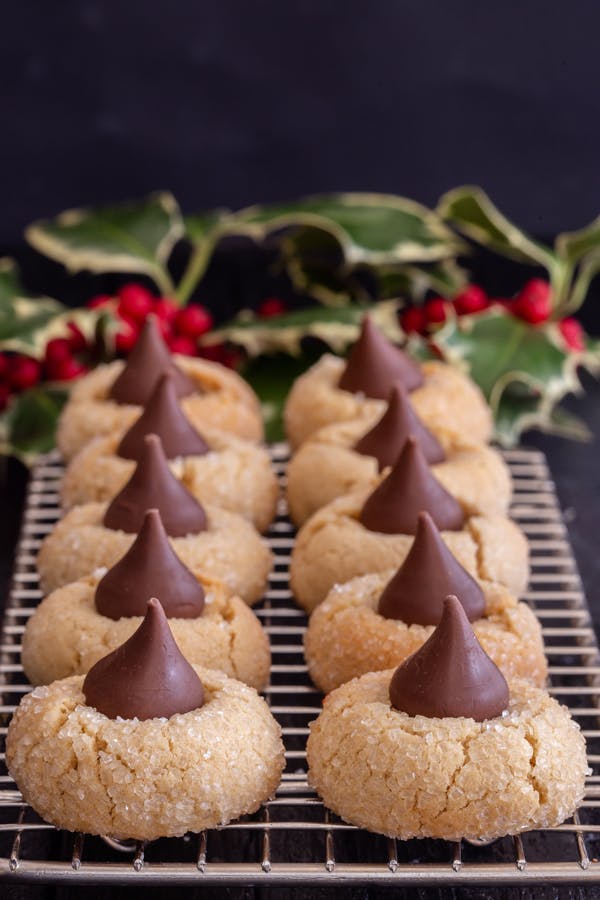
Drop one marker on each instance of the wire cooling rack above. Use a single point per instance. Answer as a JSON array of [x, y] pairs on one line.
[[293, 839]]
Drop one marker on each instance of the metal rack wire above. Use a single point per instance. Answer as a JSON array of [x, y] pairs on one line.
[[293, 839]]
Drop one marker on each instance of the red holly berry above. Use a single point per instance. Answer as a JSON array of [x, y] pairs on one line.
[[4, 396], [77, 340], [135, 302], [57, 350], [472, 300], [4, 365], [24, 372], [221, 353], [179, 343], [413, 319], [99, 301], [435, 311], [272, 306], [66, 370], [126, 336], [193, 321], [573, 333], [165, 309], [533, 303]]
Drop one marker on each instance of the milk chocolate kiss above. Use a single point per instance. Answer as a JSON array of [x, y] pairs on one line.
[[149, 567], [451, 675], [387, 437], [429, 573], [148, 360], [374, 364], [163, 416], [153, 485], [146, 677], [410, 488]]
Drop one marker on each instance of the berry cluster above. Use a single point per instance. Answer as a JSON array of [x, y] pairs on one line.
[[533, 304]]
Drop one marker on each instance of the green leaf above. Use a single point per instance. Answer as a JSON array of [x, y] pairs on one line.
[[370, 228], [337, 327], [573, 245], [28, 427], [200, 226], [272, 378], [519, 411], [445, 277], [472, 212], [10, 281], [134, 237]]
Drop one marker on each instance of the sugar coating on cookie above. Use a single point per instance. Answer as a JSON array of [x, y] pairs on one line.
[[332, 547], [230, 550], [224, 401], [227, 636], [411, 776], [236, 475], [347, 637], [447, 402], [144, 779], [326, 467]]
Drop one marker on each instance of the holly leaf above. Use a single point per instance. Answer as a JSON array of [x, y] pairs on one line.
[[135, 237], [337, 327], [272, 378], [28, 427], [445, 277], [471, 212], [369, 228], [523, 370], [201, 226]]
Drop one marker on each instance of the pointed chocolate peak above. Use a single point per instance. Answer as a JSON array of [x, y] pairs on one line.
[[374, 364], [149, 567], [153, 485], [451, 676], [387, 437], [148, 360], [429, 573], [409, 489], [147, 677], [163, 416]]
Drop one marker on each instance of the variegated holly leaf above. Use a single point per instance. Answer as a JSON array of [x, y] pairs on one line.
[[471, 212], [523, 371], [370, 228], [28, 427], [134, 237], [445, 277], [28, 323], [337, 327]]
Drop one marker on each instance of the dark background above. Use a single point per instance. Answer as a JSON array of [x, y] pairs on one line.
[[232, 103]]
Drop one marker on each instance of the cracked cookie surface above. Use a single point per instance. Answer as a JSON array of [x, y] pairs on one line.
[[230, 550], [411, 776], [332, 547], [144, 779], [227, 402], [236, 475], [448, 402], [347, 637], [326, 466], [227, 636]]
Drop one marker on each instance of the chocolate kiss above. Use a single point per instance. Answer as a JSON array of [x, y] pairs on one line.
[[146, 677], [374, 364], [429, 573], [153, 485], [150, 566], [410, 488], [386, 439], [451, 675], [163, 416], [147, 361]]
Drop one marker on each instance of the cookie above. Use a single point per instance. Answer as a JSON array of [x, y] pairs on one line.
[[148, 771]]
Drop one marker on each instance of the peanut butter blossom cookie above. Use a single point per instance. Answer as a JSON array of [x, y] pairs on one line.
[[146, 746], [445, 747], [110, 399], [368, 532], [337, 391], [375, 621], [99, 612], [212, 542], [216, 467], [355, 455]]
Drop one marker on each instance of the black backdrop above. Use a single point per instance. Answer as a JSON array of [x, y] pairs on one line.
[[235, 102]]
